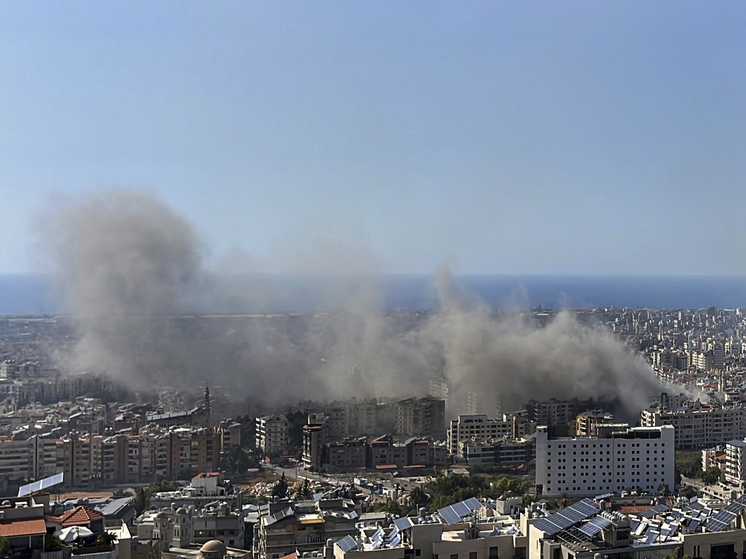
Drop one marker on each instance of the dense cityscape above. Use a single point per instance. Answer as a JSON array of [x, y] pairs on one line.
[[179, 471], [372, 280]]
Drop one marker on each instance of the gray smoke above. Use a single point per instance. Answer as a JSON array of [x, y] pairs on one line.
[[131, 271], [508, 360]]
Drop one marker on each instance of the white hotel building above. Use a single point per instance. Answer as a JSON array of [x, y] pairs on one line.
[[620, 458]]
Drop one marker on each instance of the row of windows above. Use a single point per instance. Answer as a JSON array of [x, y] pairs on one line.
[[600, 488], [600, 460], [601, 445]]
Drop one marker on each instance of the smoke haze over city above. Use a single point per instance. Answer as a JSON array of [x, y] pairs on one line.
[[130, 270]]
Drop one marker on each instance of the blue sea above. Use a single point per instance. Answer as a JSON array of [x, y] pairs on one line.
[[34, 295]]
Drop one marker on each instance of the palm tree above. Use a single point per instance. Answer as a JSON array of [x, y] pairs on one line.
[[106, 539]]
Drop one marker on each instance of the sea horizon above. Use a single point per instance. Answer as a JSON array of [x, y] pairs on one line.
[[34, 294]]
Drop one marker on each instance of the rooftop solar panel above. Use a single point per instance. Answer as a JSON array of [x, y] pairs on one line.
[[734, 507], [449, 515], [589, 529], [651, 537], [396, 541], [393, 532], [347, 544], [586, 506], [725, 517], [693, 525], [473, 504], [455, 513], [548, 527], [568, 517], [41, 485], [572, 514], [562, 521], [640, 529], [461, 509], [594, 526], [402, 524], [601, 521]]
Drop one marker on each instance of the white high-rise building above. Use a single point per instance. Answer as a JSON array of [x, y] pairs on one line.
[[272, 434], [640, 457], [476, 427]]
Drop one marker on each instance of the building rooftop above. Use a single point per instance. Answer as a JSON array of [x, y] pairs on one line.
[[11, 528]]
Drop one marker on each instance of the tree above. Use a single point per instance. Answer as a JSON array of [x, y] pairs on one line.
[[304, 492], [143, 495], [687, 468], [141, 501], [281, 488], [106, 539], [51, 543], [711, 476], [238, 460], [418, 497], [392, 507], [663, 490], [5, 546]]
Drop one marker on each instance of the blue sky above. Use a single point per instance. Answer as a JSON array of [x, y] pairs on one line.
[[503, 137]]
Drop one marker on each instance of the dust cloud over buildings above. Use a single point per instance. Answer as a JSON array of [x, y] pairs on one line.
[[132, 275]]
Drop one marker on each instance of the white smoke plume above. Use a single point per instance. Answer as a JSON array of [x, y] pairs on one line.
[[131, 271], [511, 360]]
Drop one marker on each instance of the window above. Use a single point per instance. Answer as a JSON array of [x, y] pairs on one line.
[[417, 552], [472, 555], [493, 553], [454, 555]]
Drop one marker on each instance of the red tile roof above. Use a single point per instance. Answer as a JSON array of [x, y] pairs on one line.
[[11, 528], [630, 509], [80, 516], [206, 475]]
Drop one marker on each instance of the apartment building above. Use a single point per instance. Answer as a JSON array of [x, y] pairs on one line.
[[558, 415], [349, 454], [315, 435], [74, 460], [356, 418], [477, 427], [43, 456], [187, 526], [698, 426], [272, 434], [582, 531], [735, 462], [430, 537], [501, 451], [15, 461], [302, 527], [423, 417], [384, 452], [630, 458], [230, 435], [585, 423]]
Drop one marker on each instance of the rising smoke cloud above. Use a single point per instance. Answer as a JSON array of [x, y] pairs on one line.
[[131, 268], [509, 360]]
